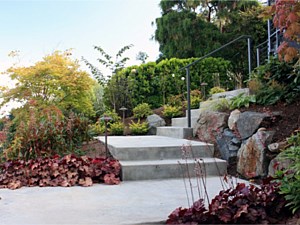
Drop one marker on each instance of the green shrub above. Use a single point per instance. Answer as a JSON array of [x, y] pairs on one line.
[[222, 105], [48, 132], [113, 115], [117, 128], [97, 128], [172, 111], [142, 110], [138, 127], [241, 100], [278, 80], [254, 85], [290, 177], [195, 102], [196, 98], [215, 90], [270, 94], [176, 100]]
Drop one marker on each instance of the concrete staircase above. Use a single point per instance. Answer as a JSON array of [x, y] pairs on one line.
[[179, 127], [159, 157]]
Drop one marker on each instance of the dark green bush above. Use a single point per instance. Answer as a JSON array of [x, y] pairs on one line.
[[275, 81], [290, 177], [270, 94]]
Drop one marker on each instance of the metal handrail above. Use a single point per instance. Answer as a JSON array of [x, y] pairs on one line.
[[214, 51], [188, 77]]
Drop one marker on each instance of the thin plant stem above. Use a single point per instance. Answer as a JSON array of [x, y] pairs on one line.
[[183, 177], [198, 174], [204, 181]]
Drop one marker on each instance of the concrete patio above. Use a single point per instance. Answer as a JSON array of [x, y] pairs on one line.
[[131, 202]]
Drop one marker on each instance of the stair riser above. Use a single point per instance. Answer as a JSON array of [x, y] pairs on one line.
[[194, 112], [147, 172], [182, 122], [175, 132], [159, 153]]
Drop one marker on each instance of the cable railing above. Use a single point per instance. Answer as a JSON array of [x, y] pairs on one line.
[[268, 48]]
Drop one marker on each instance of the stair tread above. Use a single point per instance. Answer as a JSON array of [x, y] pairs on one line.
[[170, 127], [149, 141], [169, 161]]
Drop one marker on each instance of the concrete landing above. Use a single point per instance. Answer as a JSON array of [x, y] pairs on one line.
[[134, 202]]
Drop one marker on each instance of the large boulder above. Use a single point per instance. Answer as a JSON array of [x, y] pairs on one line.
[[154, 121], [277, 164], [210, 124], [233, 118], [231, 94], [248, 123], [252, 160], [228, 144]]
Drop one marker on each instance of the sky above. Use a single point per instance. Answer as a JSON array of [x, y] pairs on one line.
[[39, 27]]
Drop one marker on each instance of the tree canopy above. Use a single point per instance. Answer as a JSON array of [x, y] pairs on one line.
[[54, 81], [286, 17], [193, 28], [183, 35]]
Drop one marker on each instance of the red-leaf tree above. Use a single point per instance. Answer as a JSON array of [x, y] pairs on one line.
[[286, 17]]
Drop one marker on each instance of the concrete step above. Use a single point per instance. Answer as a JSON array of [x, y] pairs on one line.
[[182, 121], [133, 148], [159, 157], [194, 112], [171, 168], [175, 132]]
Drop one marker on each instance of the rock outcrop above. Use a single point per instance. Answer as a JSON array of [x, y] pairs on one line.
[[210, 124], [252, 160], [154, 121], [228, 144]]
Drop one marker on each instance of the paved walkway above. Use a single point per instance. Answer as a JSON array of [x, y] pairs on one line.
[[131, 202]]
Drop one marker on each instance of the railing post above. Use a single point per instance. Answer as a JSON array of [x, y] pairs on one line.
[[277, 40], [249, 55], [188, 98], [257, 57], [269, 34]]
